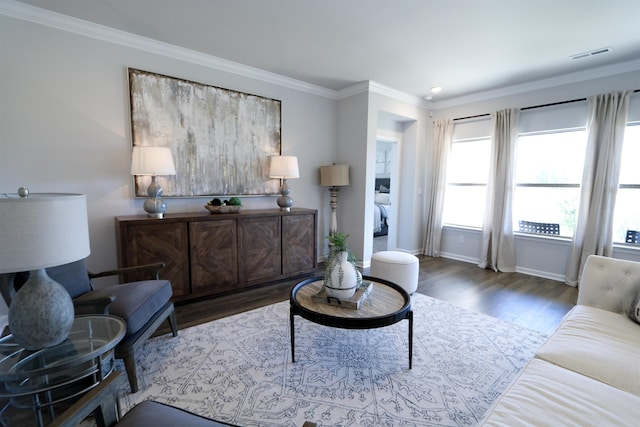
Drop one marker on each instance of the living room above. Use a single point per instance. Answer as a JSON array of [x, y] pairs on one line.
[[65, 127]]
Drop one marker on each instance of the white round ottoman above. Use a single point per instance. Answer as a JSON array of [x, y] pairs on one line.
[[400, 268]]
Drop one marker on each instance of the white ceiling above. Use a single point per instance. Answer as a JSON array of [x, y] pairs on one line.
[[465, 46]]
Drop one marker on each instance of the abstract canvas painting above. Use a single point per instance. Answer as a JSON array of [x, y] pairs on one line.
[[221, 139]]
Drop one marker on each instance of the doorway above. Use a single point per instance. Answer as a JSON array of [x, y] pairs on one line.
[[385, 183]]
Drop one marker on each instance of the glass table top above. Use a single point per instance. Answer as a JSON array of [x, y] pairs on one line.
[[90, 337]]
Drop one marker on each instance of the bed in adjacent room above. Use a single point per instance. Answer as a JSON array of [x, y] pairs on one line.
[[382, 207]]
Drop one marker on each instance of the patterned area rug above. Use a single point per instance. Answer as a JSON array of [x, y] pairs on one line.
[[238, 369]]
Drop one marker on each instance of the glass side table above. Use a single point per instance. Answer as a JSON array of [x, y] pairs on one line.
[[42, 378]]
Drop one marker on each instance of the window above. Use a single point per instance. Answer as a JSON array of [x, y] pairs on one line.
[[627, 210], [548, 174], [467, 175]]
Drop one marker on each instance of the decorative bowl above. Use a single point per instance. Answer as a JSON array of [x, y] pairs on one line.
[[223, 209]]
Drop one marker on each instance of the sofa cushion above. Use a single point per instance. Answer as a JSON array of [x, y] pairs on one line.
[[547, 395], [599, 344], [609, 283], [136, 302], [633, 309]]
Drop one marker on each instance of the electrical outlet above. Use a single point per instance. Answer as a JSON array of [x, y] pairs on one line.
[[461, 240]]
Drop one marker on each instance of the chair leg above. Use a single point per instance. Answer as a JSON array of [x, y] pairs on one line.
[[173, 324], [130, 366]]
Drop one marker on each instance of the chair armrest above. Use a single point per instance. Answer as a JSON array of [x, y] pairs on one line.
[[154, 269], [102, 399], [97, 305]]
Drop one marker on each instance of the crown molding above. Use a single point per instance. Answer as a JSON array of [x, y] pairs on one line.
[[357, 88], [370, 86], [84, 28], [565, 79], [381, 89]]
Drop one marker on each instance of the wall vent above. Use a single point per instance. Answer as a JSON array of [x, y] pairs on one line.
[[592, 53]]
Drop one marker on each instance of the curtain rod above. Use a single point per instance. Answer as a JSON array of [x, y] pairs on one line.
[[531, 107]]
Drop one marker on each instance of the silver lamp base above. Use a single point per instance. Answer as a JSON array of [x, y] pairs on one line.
[[154, 206], [41, 314], [284, 201]]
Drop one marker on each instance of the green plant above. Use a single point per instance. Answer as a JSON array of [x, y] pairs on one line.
[[338, 241], [337, 244]]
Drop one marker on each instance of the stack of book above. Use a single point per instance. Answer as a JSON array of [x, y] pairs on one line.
[[354, 302]]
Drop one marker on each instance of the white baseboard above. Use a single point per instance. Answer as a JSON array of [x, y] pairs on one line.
[[528, 271], [459, 257], [543, 274]]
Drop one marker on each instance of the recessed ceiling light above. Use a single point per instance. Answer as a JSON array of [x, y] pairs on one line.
[[428, 97], [436, 89]]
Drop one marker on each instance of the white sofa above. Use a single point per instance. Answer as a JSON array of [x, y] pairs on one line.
[[588, 372]]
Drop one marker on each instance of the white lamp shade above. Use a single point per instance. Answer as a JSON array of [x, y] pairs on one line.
[[284, 167], [42, 230], [334, 176], [152, 161]]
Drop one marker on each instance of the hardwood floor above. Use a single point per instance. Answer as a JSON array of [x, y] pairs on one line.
[[529, 301], [525, 300]]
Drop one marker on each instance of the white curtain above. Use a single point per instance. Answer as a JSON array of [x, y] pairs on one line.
[[606, 123], [498, 251], [436, 185]]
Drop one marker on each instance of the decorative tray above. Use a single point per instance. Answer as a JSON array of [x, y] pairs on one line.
[[354, 302], [223, 209]]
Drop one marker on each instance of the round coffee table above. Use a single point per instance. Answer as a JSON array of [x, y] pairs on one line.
[[386, 304]]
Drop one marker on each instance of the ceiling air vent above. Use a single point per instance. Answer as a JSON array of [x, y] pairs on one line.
[[592, 53]]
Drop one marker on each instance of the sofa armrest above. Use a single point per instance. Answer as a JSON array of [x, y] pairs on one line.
[[609, 283], [153, 269]]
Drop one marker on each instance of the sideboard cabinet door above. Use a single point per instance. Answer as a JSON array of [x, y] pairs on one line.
[[298, 244], [214, 256], [260, 246], [158, 242]]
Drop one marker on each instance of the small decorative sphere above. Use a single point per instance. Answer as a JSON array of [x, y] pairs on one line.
[[23, 192]]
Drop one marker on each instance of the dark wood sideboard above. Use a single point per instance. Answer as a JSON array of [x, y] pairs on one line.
[[212, 254]]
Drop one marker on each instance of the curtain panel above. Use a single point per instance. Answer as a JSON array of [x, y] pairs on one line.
[[593, 235], [498, 249], [436, 185]]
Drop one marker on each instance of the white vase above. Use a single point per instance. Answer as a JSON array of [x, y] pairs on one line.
[[342, 278]]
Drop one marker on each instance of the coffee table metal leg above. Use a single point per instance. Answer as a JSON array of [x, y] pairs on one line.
[[410, 316], [293, 337]]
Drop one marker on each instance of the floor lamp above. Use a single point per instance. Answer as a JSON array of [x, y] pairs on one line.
[[334, 176]]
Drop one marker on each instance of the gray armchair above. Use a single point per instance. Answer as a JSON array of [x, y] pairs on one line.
[[143, 305]]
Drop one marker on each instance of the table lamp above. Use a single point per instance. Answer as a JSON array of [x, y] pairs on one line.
[[334, 176], [38, 231], [284, 167], [153, 161]]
